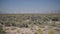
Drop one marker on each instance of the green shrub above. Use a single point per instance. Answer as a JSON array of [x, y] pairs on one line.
[[1, 30], [35, 32], [50, 31], [40, 31]]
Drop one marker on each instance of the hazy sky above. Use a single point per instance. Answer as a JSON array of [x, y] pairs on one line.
[[29, 6]]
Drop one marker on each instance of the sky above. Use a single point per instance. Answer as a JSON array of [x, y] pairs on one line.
[[29, 6]]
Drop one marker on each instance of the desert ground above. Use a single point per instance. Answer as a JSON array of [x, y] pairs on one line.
[[30, 24]]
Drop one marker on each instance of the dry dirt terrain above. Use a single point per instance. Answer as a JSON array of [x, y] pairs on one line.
[[17, 30]]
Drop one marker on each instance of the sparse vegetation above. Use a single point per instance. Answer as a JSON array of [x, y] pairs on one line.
[[28, 21]]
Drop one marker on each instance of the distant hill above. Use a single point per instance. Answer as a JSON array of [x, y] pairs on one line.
[[40, 12]]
